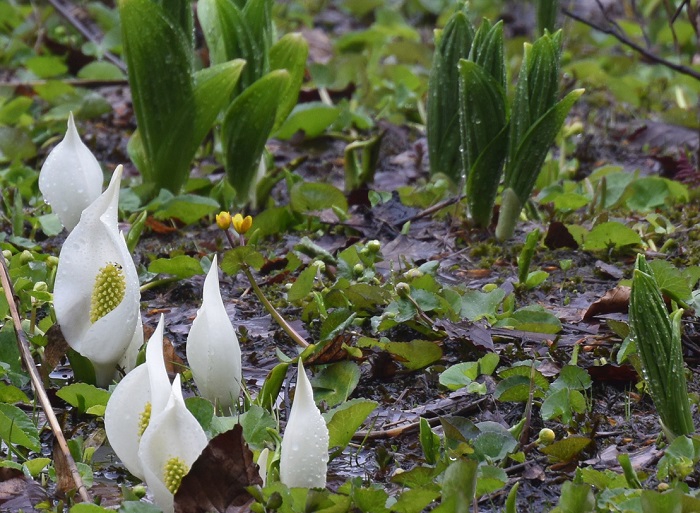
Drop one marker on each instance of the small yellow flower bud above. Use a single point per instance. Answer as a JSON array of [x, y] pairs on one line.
[[242, 224], [546, 436], [25, 257], [51, 262], [40, 286], [223, 220], [374, 246]]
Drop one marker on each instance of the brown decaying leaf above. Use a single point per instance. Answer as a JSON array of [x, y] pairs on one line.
[[616, 300], [18, 492], [218, 479], [558, 236], [64, 478], [613, 373], [332, 351], [55, 349]]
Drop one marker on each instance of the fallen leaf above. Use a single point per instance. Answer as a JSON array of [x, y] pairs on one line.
[[218, 479], [558, 236], [18, 492], [615, 300], [332, 351], [55, 349]]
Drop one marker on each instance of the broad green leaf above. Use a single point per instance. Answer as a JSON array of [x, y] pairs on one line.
[[36, 465], [289, 53], [101, 70], [669, 502], [563, 403], [83, 396], [611, 235], [12, 394], [256, 422], [310, 196], [415, 500], [202, 409], [246, 128], [477, 304], [429, 442], [567, 449], [345, 419], [235, 258], [181, 266], [532, 318], [672, 282], [311, 118], [46, 66], [459, 483], [335, 382], [188, 208], [572, 377], [413, 355], [302, 286], [576, 498], [490, 479], [17, 428]]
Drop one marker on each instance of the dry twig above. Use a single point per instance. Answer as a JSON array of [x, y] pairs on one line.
[[28, 361]]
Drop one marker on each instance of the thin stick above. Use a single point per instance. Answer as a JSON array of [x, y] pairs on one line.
[[23, 345], [685, 70], [86, 32]]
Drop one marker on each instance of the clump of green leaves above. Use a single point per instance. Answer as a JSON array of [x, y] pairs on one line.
[[658, 338]]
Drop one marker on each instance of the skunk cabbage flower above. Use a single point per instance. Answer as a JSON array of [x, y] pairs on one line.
[[96, 294], [304, 458], [71, 178], [141, 395], [212, 347], [170, 445]]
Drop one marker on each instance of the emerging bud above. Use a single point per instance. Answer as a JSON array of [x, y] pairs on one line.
[[546, 437], [40, 286], [374, 246], [242, 224], [223, 220], [25, 257], [403, 289]]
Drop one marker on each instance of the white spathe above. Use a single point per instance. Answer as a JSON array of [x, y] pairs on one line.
[[304, 457], [172, 434], [213, 351], [71, 178], [93, 244], [140, 396]]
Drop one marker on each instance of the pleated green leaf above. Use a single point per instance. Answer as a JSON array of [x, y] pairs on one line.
[[289, 53], [443, 97], [246, 128]]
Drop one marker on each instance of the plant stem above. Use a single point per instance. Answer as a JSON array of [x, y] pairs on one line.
[[288, 329]]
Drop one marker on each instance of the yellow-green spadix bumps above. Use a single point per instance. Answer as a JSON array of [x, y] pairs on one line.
[[108, 292]]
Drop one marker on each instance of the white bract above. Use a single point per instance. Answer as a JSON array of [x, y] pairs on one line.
[[96, 293], [213, 351], [170, 445], [140, 396], [71, 178], [304, 457]]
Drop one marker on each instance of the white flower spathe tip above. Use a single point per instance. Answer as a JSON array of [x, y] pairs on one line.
[[71, 178], [170, 445], [96, 294], [213, 351], [140, 396], [304, 457]]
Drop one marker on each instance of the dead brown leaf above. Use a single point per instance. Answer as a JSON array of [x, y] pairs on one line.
[[558, 236], [218, 479], [616, 300], [18, 492]]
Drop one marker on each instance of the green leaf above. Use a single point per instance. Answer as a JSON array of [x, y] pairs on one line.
[[181, 266], [83, 396], [188, 208], [442, 128], [576, 498], [490, 479], [202, 409], [312, 119], [533, 318], [311, 196], [335, 382], [303, 285], [611, 235], [462, 374], [101, 70], [272, 386], [672, 282], [415, 500], [429, 442], [668, 502], [46, 66], [17, 428], [246, 128], [12, 394], [256, 422], [459, 483], [345, 419], [413, 355], [235, 258], [89, 508], [573, 378], [567, 449], [477, 304], [289, 53], [563, 403]]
